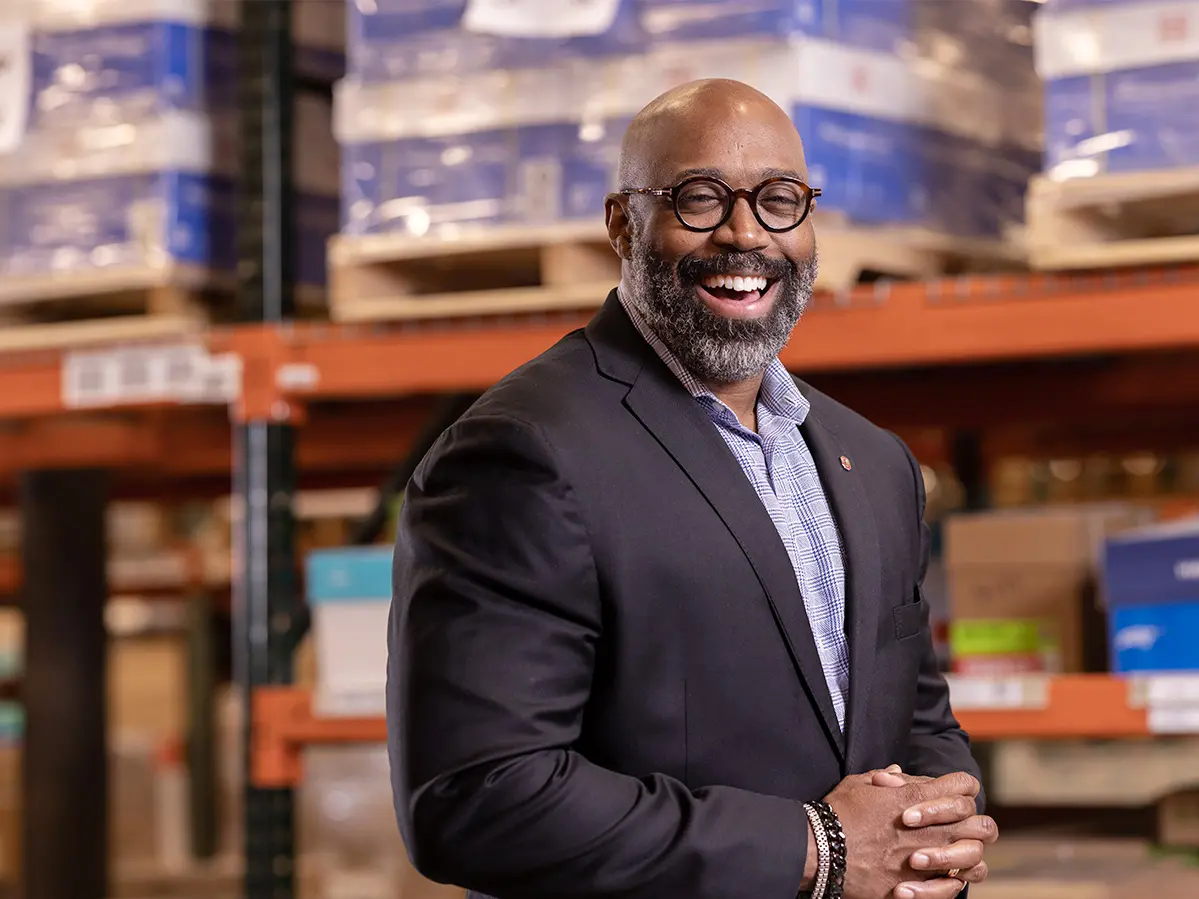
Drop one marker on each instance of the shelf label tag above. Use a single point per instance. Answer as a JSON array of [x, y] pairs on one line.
[[1171, 702], [998, 693], [1179, 720], [540, 18], [16, 83], [149, 374]]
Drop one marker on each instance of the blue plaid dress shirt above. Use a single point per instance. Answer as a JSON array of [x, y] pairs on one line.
[[783, 473]]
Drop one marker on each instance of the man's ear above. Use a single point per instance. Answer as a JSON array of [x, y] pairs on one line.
[[620, 226]]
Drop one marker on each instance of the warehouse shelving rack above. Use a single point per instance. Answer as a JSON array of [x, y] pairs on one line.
[[1121, 349], [1040, 707], [961, 368]]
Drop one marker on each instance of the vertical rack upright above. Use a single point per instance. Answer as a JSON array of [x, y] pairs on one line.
[[268, 613]]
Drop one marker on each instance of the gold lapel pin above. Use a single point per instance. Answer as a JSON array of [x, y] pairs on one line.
[[846, 464]]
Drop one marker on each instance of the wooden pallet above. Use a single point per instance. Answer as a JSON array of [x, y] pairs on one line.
[[104, 306], [573, 267], [1139, 218], [509, 270], [851, 254]]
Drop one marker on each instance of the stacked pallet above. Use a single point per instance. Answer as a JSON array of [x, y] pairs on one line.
[[478, 146], [118, 188], [1121, 179]]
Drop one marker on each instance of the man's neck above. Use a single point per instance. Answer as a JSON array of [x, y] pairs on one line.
[[742, 398]]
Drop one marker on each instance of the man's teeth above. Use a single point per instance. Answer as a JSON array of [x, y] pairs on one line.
[[736, 282]]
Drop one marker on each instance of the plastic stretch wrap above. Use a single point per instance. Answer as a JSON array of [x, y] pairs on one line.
[[1121, 85], [117, 136], [392, 40], [891, 138], [143, 194], [884, 25]]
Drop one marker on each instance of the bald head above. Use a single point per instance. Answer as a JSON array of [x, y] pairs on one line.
[[698, 124]]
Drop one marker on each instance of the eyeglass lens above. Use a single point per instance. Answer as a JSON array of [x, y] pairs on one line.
[[703, 204]]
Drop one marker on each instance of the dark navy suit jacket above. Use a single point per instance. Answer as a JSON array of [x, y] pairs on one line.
[[601, 681]]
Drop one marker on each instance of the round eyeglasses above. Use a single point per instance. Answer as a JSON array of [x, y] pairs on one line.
[[703, 203]]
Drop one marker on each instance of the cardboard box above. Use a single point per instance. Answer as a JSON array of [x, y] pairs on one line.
[[1088, 773], [147, 687], [1052, 864], [999, 647], [873, 24], [1040, 565], [1157, 638], [1122, 84], [399, 39], [1151, 588], [349, 590], [1178, 820], [1153, 565]]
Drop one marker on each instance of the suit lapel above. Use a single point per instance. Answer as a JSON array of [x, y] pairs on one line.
[[863, 574], [666, 410]]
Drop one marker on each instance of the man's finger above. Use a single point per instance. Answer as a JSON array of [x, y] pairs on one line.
[[977, 827], [977, 874], [943, 810], [956, 784], [959, 782], [962, 856], [941, 888]]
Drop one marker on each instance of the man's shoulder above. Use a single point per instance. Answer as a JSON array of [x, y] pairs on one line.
[[557, 387]]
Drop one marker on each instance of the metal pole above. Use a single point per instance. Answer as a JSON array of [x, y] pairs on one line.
[[201, 731], [267, 609], [65, 760]]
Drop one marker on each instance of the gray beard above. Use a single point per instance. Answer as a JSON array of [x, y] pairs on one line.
[[715, 349]]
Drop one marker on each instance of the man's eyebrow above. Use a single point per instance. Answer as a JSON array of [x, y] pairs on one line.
[[717, 173]]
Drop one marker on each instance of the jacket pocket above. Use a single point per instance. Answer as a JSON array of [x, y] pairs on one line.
[[909, 619]]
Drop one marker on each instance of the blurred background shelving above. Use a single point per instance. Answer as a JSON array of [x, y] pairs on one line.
[[255, 255]]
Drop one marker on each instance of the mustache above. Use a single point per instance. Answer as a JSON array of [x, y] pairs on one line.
[[693, 269]]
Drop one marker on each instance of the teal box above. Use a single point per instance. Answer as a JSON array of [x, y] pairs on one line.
[[349, 574]]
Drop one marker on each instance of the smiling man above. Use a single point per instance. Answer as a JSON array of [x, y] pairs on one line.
[[657, 628]]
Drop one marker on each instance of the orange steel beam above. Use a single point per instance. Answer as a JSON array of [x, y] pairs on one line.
[[979, 319], [1080, 706], [966, 321], [1043, 391], [195, 442], [1086, 706], [284, 725]]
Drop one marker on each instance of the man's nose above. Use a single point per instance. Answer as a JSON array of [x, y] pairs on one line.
[[742, 231]]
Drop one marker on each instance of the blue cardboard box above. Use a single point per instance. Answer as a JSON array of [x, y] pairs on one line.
[[129, 71], [860, 112], [1155, 638], [1153, 566], [389, 40], [884, 25], [472, 152], [157, 192], [1121, 85]]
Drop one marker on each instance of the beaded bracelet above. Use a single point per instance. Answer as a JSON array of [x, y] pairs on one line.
[[830, 849], [823, 860]]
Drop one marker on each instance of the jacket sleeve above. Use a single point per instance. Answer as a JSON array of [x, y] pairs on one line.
[[938, 743], [496, 622]]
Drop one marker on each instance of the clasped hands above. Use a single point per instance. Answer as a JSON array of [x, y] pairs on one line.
[[906, 839]]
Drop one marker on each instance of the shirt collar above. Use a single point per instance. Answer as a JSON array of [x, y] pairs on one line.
[[779, 394]]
